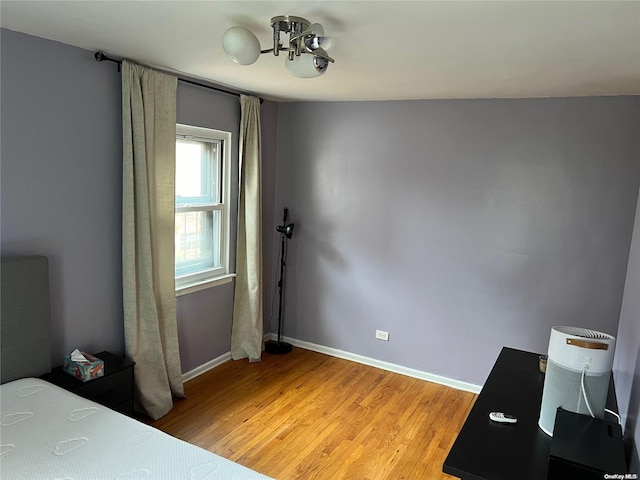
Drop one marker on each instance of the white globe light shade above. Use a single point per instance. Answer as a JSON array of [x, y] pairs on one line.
[[316, 29], [306, 66], [241, 45], [327, 43]]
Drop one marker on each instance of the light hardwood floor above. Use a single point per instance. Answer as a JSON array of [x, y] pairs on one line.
[[306, 415]]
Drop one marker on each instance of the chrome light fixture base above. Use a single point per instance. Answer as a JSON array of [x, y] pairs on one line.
[[305, 56]]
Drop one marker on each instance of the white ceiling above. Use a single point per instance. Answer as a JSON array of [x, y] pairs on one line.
[[384, 50]]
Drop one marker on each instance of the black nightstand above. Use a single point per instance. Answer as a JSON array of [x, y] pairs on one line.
[[113, 390]]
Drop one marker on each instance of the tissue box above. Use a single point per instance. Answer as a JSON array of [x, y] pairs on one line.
[[84, 371]]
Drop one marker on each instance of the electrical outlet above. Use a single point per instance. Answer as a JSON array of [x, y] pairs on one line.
[[380, 335]]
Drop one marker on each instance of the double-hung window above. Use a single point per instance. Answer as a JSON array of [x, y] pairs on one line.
[[202, 207]]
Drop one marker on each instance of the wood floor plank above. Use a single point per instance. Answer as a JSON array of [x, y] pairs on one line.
[[306, 415]]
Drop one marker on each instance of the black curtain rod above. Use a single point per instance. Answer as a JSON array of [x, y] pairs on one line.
[[101, 57]]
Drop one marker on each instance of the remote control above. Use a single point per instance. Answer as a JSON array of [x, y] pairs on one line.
[[502, 417]]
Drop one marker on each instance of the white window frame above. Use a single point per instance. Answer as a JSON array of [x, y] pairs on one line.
[[216, 276]]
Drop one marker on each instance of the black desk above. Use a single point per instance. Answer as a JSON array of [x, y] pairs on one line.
[[491, 451]]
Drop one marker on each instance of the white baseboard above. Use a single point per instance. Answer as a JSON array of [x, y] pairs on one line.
[[334, 352], [372, 362], [206, 367]]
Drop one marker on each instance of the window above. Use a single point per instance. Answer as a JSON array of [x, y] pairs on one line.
[[202, 207]]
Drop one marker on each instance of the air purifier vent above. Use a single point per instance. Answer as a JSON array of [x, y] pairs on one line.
[[584, 333]]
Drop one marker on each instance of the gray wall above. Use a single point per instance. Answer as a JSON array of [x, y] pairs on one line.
[[459, 226], [62, 186], [626, 368], [61, 183]]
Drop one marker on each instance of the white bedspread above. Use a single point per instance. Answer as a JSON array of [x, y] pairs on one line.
[[49, 433]]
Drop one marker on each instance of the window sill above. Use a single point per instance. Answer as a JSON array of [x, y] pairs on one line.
[[204, 284]]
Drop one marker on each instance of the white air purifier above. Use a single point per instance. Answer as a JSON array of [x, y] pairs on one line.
[[577, 378]]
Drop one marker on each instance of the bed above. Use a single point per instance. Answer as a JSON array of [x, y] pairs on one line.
[[48, 432]]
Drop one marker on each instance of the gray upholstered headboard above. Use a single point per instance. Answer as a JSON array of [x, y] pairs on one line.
[[25, 329]]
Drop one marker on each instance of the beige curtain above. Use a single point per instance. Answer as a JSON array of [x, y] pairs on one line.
[[246, 333], [150, 333]]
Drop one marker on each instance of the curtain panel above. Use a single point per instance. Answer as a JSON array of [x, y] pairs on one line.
[[151, 333], [246, 333]]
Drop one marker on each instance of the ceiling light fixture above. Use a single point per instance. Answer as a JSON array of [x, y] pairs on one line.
[[306, 50]]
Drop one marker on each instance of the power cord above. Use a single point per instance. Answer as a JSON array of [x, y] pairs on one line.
[[615, 415], [586, 400], [584, 392]]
